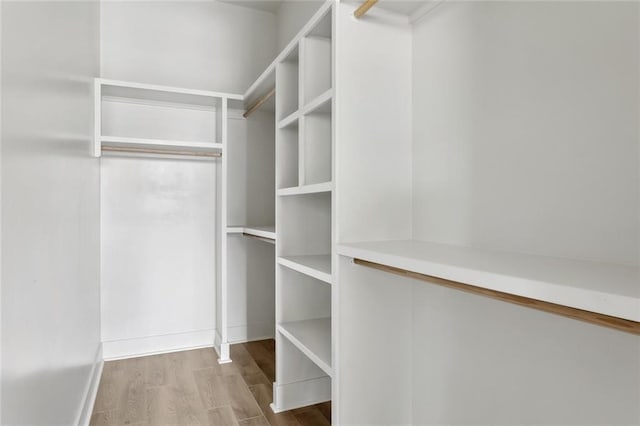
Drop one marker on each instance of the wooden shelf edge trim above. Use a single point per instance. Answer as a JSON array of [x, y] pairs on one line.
[[616, 323]]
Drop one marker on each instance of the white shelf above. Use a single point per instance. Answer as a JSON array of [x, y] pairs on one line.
[[154, 92], [306, 189], [289, 120], [158, 143], [321, 104], [316, 266], [313, 338], [257, 231], [607, 289]]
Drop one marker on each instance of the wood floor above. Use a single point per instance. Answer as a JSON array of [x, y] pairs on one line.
[[191, 388]]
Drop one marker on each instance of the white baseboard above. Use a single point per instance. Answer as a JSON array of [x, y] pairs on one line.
[[222, 348], [91, 390], [151, 345], [300, 394], [251, 332]]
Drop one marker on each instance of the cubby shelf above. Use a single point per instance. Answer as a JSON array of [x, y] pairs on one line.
[[313, 338], [606, 289], [307, 189], [257, 231], [317, 266]]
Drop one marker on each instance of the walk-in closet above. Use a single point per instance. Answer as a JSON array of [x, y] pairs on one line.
[[315, 212]]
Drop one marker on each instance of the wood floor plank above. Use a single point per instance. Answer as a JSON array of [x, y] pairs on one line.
[[157, 372], [263, 395], [310, 416], [325, 409], [106, 418], [111, 386], [222, 416], [133, 405], [243, 361], [255, 421], [211, 388], [240, 398], [203, 358]]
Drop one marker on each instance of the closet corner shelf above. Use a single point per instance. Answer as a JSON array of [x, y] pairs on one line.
[[117, 141], [600, 288], [313, 338], [268, 232], [306, 189], [317, 266]]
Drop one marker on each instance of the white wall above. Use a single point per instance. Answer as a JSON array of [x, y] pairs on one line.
[[158, 251], [200, 44], [50, 211], [291, 17], [525, 139]]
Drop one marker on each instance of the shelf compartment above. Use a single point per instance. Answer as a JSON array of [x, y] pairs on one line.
[[317, 266], [317, 148], [287, 90], [606, 289], [315, 53], [313, 338], [287, 157], [306, 189]]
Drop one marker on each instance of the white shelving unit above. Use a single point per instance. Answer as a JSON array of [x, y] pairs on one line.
[[304, 211]]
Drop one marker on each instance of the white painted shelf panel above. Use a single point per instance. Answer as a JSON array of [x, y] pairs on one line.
[[257, 231], [321, 104], [597, 287], [159, 143], [158, 93], [317, 266], [313, 338], [307, 189], [291, 119]]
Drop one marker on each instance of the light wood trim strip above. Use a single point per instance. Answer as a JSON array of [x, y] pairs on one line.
[[162, 151], [265, 239], [259, 102], [620, 324], [364, 8]]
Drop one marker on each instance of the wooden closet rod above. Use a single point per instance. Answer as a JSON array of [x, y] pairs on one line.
[[620, 324], [259, 102], [162, 151], [364, 8]]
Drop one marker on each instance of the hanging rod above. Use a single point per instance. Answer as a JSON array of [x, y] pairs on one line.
[[259, 102], [162, 151], [620, 324], [264, 239], [364, 8]]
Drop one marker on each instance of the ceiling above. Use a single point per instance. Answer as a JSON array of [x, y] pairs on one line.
[[403, 7]]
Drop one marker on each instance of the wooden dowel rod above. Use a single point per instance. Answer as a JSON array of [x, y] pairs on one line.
[[162, 151], [620, 324], [265, 239], [259, 102], [364, 8]]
